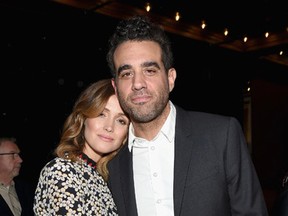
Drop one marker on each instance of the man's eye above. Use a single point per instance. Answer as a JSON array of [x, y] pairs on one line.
[[125, 74], [150, 72]]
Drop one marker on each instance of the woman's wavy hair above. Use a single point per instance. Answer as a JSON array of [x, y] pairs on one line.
[[90, 104]]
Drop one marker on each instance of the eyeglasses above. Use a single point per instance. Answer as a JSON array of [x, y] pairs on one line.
[[14, 154]]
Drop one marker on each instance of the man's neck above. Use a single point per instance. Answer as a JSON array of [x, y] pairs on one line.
[[6, 181], [150, 130]]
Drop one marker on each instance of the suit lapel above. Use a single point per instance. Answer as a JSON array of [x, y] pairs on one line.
[[183, 157], [4, 208], [183, 154], [127, 182]]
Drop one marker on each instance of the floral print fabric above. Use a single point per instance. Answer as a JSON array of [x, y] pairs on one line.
[[72, 188]]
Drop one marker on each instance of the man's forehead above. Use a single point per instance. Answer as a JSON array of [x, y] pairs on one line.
[[8, 145]]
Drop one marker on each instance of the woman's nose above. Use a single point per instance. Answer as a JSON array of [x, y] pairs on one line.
[[108, 128]]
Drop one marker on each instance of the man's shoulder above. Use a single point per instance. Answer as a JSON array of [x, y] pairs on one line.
[[204, 121], [200, 115]]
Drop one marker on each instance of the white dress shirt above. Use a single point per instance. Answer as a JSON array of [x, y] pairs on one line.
[[153, 169]]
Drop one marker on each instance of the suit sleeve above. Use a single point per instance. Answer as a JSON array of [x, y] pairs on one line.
[[244, 188]]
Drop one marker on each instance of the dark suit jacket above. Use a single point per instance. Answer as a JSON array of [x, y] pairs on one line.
[[25, 194], [213, 171]]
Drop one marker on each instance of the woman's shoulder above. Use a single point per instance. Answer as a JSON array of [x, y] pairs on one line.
[[56, 162], [59, 165]]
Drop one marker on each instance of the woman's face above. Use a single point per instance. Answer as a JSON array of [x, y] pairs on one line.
[[106, 132]]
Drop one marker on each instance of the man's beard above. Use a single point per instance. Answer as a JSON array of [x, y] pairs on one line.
[[143, 112]]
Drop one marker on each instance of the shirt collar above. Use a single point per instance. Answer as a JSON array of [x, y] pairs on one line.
[[167, 129], [12, 184]]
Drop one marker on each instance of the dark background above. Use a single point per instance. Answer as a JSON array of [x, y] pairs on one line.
[[48, 56]]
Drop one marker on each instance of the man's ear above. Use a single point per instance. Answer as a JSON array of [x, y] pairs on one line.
[[114, 85], [171, 78]]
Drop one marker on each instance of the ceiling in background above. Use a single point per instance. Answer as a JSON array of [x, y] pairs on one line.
[[242, 18]]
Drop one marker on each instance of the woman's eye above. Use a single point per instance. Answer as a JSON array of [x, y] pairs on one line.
[[123, 122], [101, 115]]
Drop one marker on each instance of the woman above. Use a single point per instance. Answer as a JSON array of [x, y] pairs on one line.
[[74, 182]]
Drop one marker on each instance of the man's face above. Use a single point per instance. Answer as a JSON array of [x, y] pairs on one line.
[[141, 82], [10, 164]]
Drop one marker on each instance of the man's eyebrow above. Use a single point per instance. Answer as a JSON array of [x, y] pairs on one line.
[[123, 67], [149, 64], [145, 64]]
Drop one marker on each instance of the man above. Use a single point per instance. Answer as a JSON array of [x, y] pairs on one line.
[[176, 162], [16, 198], [280, 207]]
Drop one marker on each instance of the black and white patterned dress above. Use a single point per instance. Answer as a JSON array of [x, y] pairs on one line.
[[72, 188]]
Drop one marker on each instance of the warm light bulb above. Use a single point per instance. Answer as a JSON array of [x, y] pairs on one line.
[[148, 7], [267, 34], [203, 25], [177, 16], [226, 32], [245, 39]]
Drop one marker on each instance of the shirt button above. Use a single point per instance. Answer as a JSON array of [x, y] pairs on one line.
[[158, 201], [155, 174], [152, 147]]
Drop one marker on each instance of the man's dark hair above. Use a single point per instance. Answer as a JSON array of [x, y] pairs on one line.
[[139, 28]]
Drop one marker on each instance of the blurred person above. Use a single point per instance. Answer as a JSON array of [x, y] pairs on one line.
[[74, 182], [16, 195], [177, 162], [281, 204]]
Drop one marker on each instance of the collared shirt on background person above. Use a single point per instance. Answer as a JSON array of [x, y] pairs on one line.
[[16, 194], [9, 194]]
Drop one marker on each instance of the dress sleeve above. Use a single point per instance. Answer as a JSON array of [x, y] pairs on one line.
[[57, 191]]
